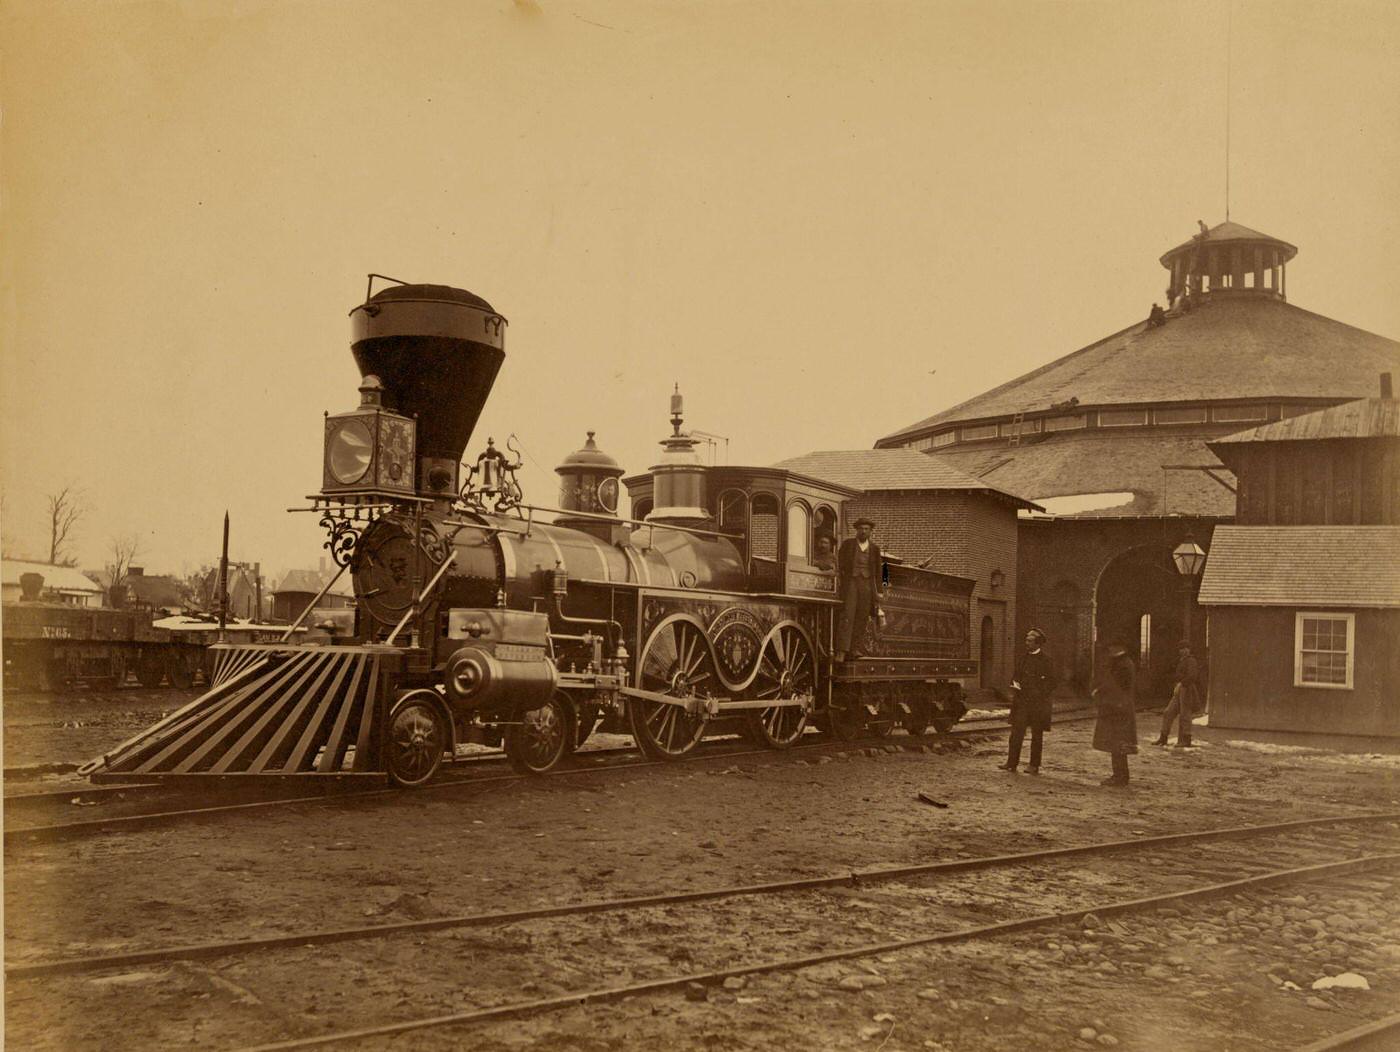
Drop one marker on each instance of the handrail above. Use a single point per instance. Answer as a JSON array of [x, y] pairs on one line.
[[635, 522], [451, 560]]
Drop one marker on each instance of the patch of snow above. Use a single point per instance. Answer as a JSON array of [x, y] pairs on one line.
[[1078, 503], [1345, 981], [1309, 752]]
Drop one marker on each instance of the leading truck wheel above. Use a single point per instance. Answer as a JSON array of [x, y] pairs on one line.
[[416, 741], [543, 737]]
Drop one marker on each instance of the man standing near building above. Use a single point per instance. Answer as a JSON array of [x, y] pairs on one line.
[[858, 568], [1186, 697], [1030, 707]]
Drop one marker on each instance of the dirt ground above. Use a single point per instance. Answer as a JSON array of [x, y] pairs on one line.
[[63, 729], [1214, 976]]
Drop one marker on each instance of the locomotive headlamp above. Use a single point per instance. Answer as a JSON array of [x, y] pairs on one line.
[[369, 452], [349, 451]]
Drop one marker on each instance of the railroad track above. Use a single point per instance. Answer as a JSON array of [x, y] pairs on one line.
[[821, 909], [24, 811]]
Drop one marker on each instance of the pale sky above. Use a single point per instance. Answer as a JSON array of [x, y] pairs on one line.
[[824, 220]]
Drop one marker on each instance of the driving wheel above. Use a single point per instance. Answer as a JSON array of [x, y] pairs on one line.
[[676, 661], [786, 669]]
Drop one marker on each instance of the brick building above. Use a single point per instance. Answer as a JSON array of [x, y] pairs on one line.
[[931, 513], [1111, 441], [1304, 592]]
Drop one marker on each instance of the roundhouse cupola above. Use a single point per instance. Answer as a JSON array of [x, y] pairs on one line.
[[1228, 258]]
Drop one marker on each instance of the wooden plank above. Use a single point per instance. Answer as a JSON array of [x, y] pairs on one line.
[[337, 742], [367, 718], [259, 727], [142, 758], [268, 698]]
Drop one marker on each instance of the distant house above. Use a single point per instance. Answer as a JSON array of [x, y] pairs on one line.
[[245, 590], [61, 584], [157, 591], [298, 588], [1304, 593]]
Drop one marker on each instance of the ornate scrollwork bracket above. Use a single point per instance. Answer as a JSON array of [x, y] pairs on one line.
[[344, 536], [491, 483]]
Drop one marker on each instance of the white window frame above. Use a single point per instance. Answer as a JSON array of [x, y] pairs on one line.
[[1329, 615]]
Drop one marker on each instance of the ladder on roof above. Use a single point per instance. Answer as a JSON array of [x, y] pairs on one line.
[[1015, 438]]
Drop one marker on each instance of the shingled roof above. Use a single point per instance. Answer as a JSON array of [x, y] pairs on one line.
[[1228, 349], [884, 470], [1089, 463], [1324, 566], [1364, 418], [1228, 231]]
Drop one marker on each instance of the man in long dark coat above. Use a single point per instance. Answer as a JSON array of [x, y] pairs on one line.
[[858, 568], [1115, 728], [1030, 705]]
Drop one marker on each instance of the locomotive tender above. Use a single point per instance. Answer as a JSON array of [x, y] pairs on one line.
[[477, 622]]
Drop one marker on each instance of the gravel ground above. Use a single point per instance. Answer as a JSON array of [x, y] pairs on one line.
[[1208, 977], [73, 728]]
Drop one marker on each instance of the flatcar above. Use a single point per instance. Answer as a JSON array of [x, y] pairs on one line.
[[52, 646], [478, 621]]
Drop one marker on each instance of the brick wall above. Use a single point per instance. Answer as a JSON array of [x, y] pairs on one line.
[[966, 534], [1059, 565]]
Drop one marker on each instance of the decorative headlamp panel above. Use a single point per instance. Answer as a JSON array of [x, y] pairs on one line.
[[369, 453]]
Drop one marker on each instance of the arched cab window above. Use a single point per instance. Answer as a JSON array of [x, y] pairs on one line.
[[763, 542], [824, 537], [732, 513], [798, 532], [641, 509]]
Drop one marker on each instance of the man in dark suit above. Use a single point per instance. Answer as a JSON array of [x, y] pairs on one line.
[[858, 569], [1030, 705]]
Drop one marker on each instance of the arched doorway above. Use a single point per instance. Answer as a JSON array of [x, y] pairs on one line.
[[1138, 604], [987, 653]]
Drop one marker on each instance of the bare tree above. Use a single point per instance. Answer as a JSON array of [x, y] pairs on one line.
[[65, 509], [195, 590], [124, 551]]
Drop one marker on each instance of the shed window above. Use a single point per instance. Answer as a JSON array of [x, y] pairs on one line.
[[1065, 423], [1195, 415], [1324, 650], [972, 434], [1232, 414], [1122, 417]]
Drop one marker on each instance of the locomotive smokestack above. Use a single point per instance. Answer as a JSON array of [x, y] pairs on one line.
[[436, 350]]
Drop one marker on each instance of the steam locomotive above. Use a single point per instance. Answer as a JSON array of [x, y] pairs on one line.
[[478, 622]]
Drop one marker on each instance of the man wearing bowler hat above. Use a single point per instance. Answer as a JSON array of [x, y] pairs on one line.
[[858, 569]]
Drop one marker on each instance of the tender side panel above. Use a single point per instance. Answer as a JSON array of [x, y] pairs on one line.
[[926, 616]]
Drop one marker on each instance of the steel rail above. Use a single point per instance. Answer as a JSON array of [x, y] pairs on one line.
[[74, 965], [66, 830], [785, 964], [1380, 1035]]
